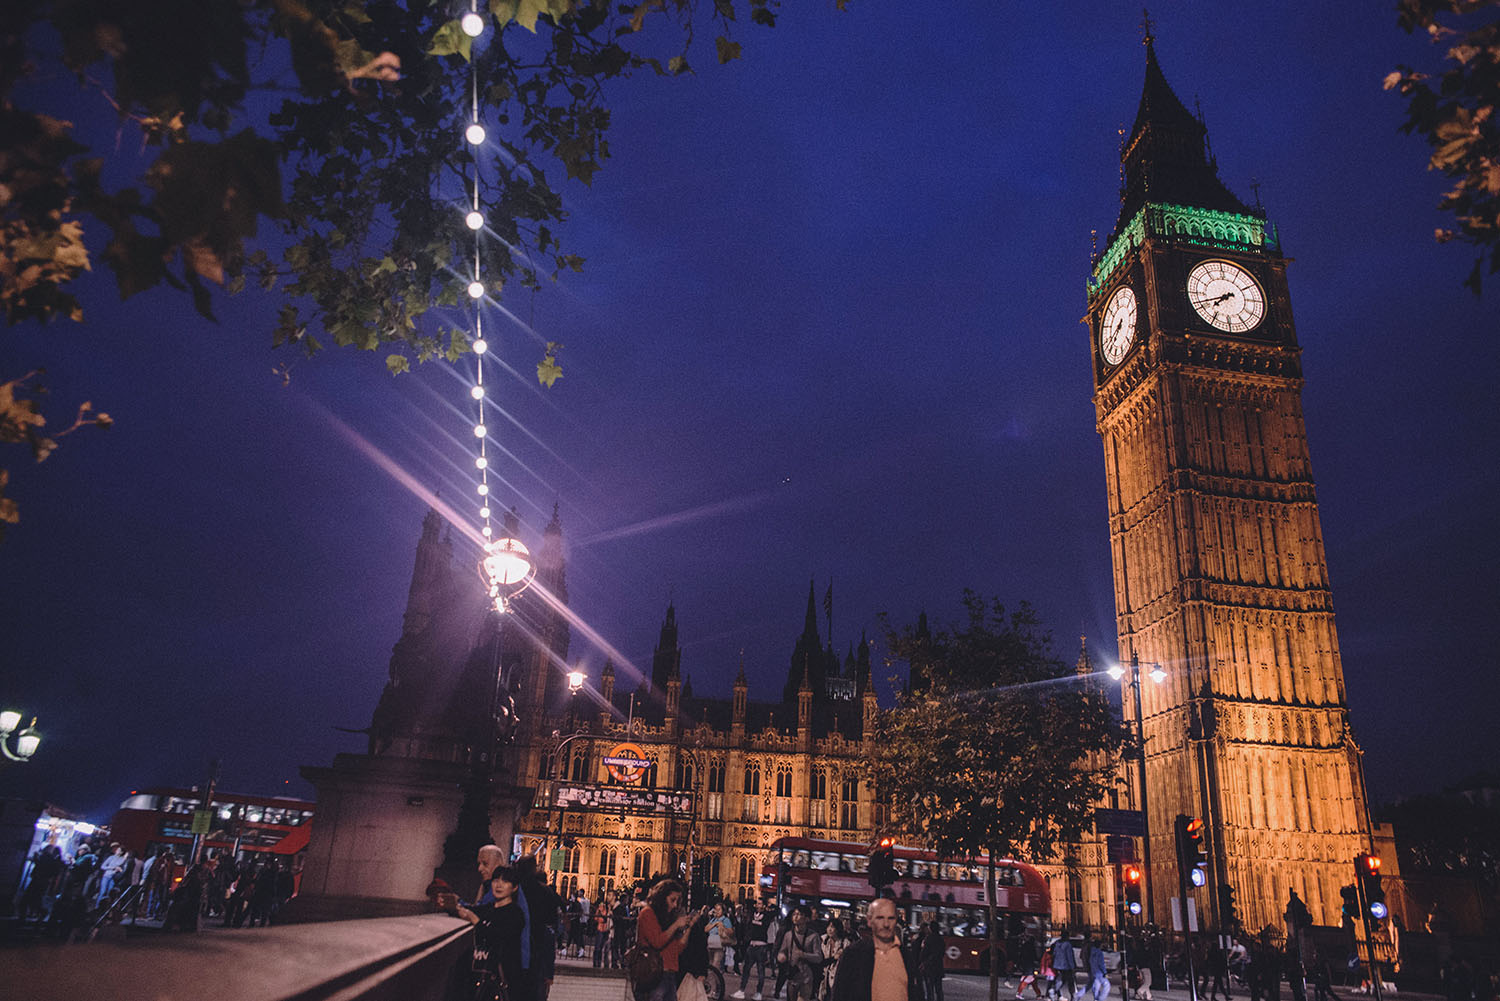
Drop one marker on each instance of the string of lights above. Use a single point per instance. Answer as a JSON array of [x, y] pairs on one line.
[[507, 566]]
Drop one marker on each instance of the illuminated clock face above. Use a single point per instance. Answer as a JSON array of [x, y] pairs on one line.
[[1226, 296], [1117, 328]]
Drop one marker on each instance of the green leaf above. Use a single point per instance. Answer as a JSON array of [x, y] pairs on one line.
[[387, 266], [728, 51], [397, 364], [450, 40], [677, 65], [548, 371]]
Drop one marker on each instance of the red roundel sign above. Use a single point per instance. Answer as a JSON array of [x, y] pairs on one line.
[[627, 763]]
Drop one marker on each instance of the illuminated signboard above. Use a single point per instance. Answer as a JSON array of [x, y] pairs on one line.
[[627, 763]]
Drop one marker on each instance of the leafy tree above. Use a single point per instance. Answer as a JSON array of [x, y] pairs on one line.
[[22, 423], [996, 747], [1447, 834], [315, 147], [1456, 113]]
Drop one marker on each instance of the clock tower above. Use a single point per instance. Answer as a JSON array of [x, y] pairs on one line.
[[1219, 571]]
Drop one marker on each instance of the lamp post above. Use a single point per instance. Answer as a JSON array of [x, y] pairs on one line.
[[1158, 675], [576, 679], [27, 740]]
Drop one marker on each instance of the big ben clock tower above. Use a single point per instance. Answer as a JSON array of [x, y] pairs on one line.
[[1219, 570]]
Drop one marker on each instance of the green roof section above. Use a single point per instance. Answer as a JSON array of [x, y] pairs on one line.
[[1184, 224]]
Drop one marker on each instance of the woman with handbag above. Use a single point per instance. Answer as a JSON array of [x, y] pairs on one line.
[[498, 975], [662, 927]]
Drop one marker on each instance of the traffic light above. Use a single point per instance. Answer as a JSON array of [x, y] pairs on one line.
[[1367, 870], [1229, 915], [883, 864], [1350, 909], [1131, 877], [1192, 854]]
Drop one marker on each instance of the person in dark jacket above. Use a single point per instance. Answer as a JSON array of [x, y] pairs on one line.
[[878, 968], [931, 961]]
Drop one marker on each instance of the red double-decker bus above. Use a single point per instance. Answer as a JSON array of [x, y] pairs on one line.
[[833, 875], [255, 826]]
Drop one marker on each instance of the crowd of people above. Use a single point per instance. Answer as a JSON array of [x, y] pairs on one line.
[[672, 951], [66, 897]]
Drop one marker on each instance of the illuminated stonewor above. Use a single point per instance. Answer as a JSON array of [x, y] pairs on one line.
[[1219, 567]]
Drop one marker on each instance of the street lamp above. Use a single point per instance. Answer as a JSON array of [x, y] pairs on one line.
[[1158, 675], [26, 741], [576, 680], [508, 569]]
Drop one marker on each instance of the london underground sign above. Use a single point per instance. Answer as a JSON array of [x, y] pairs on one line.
[[626, 762]]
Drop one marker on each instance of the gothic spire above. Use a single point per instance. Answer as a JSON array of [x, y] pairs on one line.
[[1165, 157], [666, 659]]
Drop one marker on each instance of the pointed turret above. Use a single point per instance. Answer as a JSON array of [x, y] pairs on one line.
[[429, 575], [607, 691], [666, 660], [741, 687], [862, 664], [1165, 157], [1085, 664], [804, 710], [808, 655]]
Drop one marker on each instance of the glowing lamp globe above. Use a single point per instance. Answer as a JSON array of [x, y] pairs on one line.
[[474, 220], [508, 568], [475, 134], [1116, 672], [472, 25], [9, 720], [575, 680], [1157, 674]]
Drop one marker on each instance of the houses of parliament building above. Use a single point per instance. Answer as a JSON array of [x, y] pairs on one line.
[[1219, 575]]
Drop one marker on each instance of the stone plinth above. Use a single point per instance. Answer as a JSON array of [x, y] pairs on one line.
[[378, 837]]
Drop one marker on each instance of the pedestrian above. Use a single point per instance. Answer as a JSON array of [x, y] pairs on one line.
[[498, 971], [1027, 966], [623, 936], [720, 935], [187, 900], [835, 941], [664, 926], [1098, 970], [604, 920], [930, 962], [1064, 962], [694, 961], [1216, 966], [878, 968], [758, 936], [802, 951], [46, 865]]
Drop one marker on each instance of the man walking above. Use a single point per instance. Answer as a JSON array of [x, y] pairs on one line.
[[878, 968], [757, 952], [1064, 962]]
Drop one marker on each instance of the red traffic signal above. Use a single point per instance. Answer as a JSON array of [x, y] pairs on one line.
[[1131, 876]]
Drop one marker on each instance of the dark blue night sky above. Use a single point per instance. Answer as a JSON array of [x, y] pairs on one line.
[[829, 327]]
